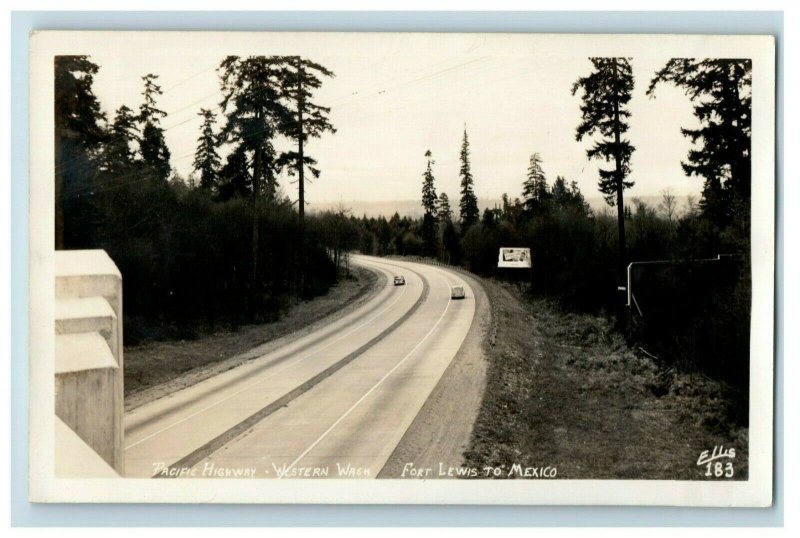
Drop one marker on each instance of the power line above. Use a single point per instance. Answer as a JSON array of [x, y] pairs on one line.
[[187, 120], [402, 84], [194, 103], [345, 97], [119, 181], [420, 101], [187, 79], [426, 77], [431, 75], [116, 137], [382, 84]]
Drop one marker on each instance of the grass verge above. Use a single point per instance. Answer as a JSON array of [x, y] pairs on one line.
[[155, 369], [564, 390]]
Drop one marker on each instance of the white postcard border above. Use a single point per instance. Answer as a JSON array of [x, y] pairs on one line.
[[757, 491]]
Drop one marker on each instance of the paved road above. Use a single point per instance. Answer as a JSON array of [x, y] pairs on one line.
[[332, 403]]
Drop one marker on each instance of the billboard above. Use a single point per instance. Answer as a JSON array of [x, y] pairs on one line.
[[514, 258]]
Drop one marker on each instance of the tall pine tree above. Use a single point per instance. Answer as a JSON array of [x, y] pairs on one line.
[[721, 92], [568, 197], [534, 189], [234, 177], [429, 200], [119, 155], [254, 108], [206, 158], [445, 211], [79, 134], [468, 205], [152, 145], [307, 120], [606, 94]]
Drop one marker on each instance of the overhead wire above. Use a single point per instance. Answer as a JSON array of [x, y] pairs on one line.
[[118, 181], [336, 100], [384, 111], [187, 79]]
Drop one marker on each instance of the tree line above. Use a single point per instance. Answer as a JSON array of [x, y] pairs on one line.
[[697, 314], [227, 244]]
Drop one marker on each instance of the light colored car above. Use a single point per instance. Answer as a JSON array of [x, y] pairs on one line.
[[399, 280], [457, 292]]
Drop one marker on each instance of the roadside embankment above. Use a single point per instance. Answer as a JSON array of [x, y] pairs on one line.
[[156, 369], [564, 390]]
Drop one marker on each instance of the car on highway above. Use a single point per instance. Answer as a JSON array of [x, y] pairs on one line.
[[457, 292], [399, 280]]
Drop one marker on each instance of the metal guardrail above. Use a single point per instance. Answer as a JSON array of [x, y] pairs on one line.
[[632, 298]]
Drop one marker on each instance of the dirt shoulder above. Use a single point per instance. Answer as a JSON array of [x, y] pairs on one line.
[[442, 429], [564, 390], [155, 369]]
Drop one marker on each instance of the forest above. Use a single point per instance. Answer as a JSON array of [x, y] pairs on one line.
[[691, 280], [228, 245], [225, 245]]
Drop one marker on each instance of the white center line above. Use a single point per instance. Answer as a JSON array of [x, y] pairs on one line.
[[375, 386]]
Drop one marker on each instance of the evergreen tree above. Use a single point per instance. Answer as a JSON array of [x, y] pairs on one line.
[[721, 92], [118, 156], [606, 94], [255, 111], [445, 211], [152, 145], [206, 158], [568, 197], [489, 218], [429, 200], [511, 210], [559, 192], [79, 134], [135, 202], [451, 246], [254, 108], [534, 190], [234, 177], [306, 120], [468, 205], [384, 234]]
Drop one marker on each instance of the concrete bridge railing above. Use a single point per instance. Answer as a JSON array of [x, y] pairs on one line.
[[88, 365]]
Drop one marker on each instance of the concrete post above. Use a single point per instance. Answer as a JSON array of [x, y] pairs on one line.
[[89, 387]]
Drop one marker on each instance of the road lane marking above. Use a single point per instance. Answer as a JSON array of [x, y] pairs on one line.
[[269, 376], [255, 365], [220, 441], [376, 385]]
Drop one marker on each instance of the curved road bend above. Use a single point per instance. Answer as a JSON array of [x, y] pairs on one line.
[[336, 401]]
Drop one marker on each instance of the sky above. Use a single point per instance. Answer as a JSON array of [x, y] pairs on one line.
[[395, 96]]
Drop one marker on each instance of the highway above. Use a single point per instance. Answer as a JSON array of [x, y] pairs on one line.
[[332, 403]]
